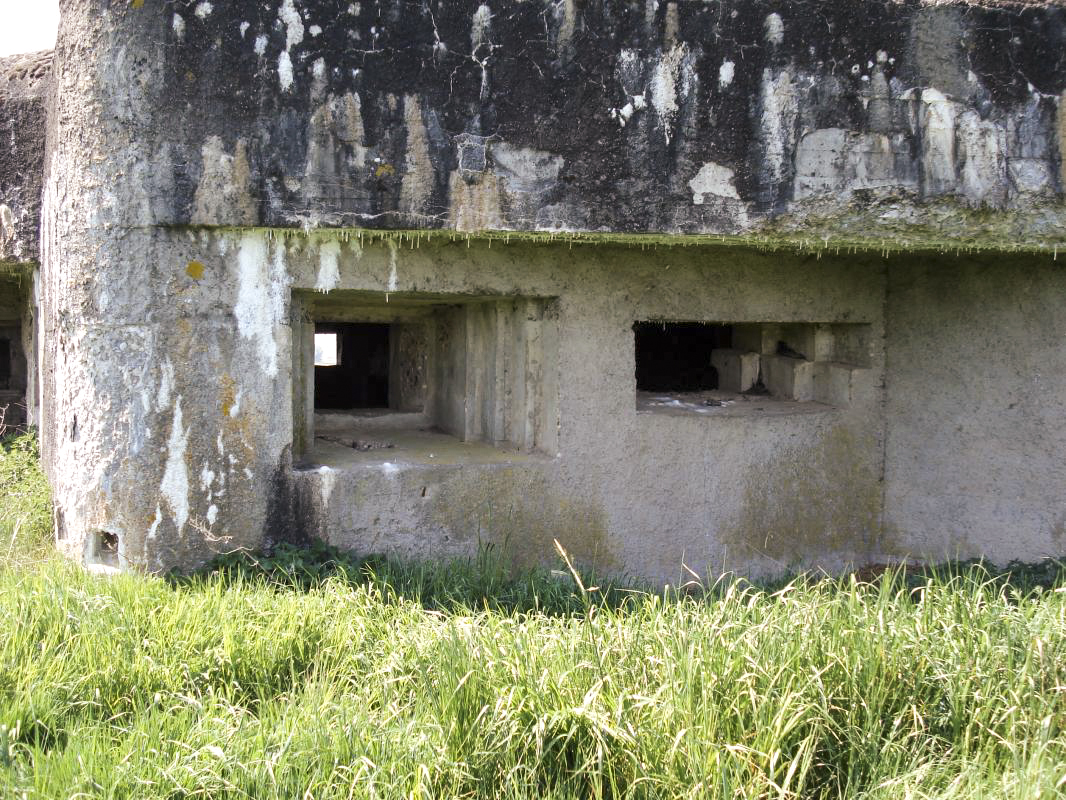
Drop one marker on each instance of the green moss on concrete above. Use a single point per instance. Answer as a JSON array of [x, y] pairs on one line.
[[811, 503], [886, 227]]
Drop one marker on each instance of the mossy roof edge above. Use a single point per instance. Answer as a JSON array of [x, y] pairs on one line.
[[810, 241]]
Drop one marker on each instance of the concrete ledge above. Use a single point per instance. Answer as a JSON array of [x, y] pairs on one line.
[[832, 383], [789, 378], [737, 371]]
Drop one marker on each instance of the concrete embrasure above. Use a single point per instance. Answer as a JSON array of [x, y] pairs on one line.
[[219, 179]]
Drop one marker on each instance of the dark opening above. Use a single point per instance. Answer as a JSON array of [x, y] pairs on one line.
[[360, 377], [5, 363], [676, 356], [107, 548]]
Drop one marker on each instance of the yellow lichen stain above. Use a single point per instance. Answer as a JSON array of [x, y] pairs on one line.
[[519, 513], [810, 506], [195, 270], [138, 3], [238, 429], [227, 395], [383, 170]]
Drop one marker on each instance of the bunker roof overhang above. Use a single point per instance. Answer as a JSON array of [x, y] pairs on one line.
[[874, 124]]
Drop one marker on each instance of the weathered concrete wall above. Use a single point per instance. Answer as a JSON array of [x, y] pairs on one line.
[[25, 83], [188, 444], [168, 316], [24, 87], [847, 120], [643, 493], [976, 403]]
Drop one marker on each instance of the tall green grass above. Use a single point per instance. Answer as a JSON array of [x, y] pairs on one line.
[[25, 502], [302, 674], [235, 687]]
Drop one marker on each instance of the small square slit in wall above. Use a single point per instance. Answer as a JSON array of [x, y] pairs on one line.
[[327, 351], [351, 366], [742, 368], [105, 548]]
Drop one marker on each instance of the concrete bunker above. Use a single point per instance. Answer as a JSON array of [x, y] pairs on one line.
[[404, 372], [747, 367], [754, 188]]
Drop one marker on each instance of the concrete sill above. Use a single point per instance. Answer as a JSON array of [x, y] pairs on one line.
[[718, 404], [405, 448]]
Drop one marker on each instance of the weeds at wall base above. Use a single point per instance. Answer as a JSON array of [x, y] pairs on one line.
[[309, 673], [25, 502]]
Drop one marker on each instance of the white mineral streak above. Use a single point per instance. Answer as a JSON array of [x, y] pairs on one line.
[[166, 385], [982, 152], [417, 182], [178, 23], [480, 33], [779, 111], [726, 73], [260, 306], [481, 27], [775, 29], [294, 34], [328, 479], [212, 515], [294, 24], [328, 266], [937, 118], [153, 529], [715, 180], [394, 278], [203, 10], [714, 187], [285, 77], [568, 24], [833, 161], [261, 42], [664, 87], [175, 484]]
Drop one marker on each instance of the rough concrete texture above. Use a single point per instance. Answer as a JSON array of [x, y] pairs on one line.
[[24, 85], [188, 142], [975, 408], [848, 120], [641, 493]]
